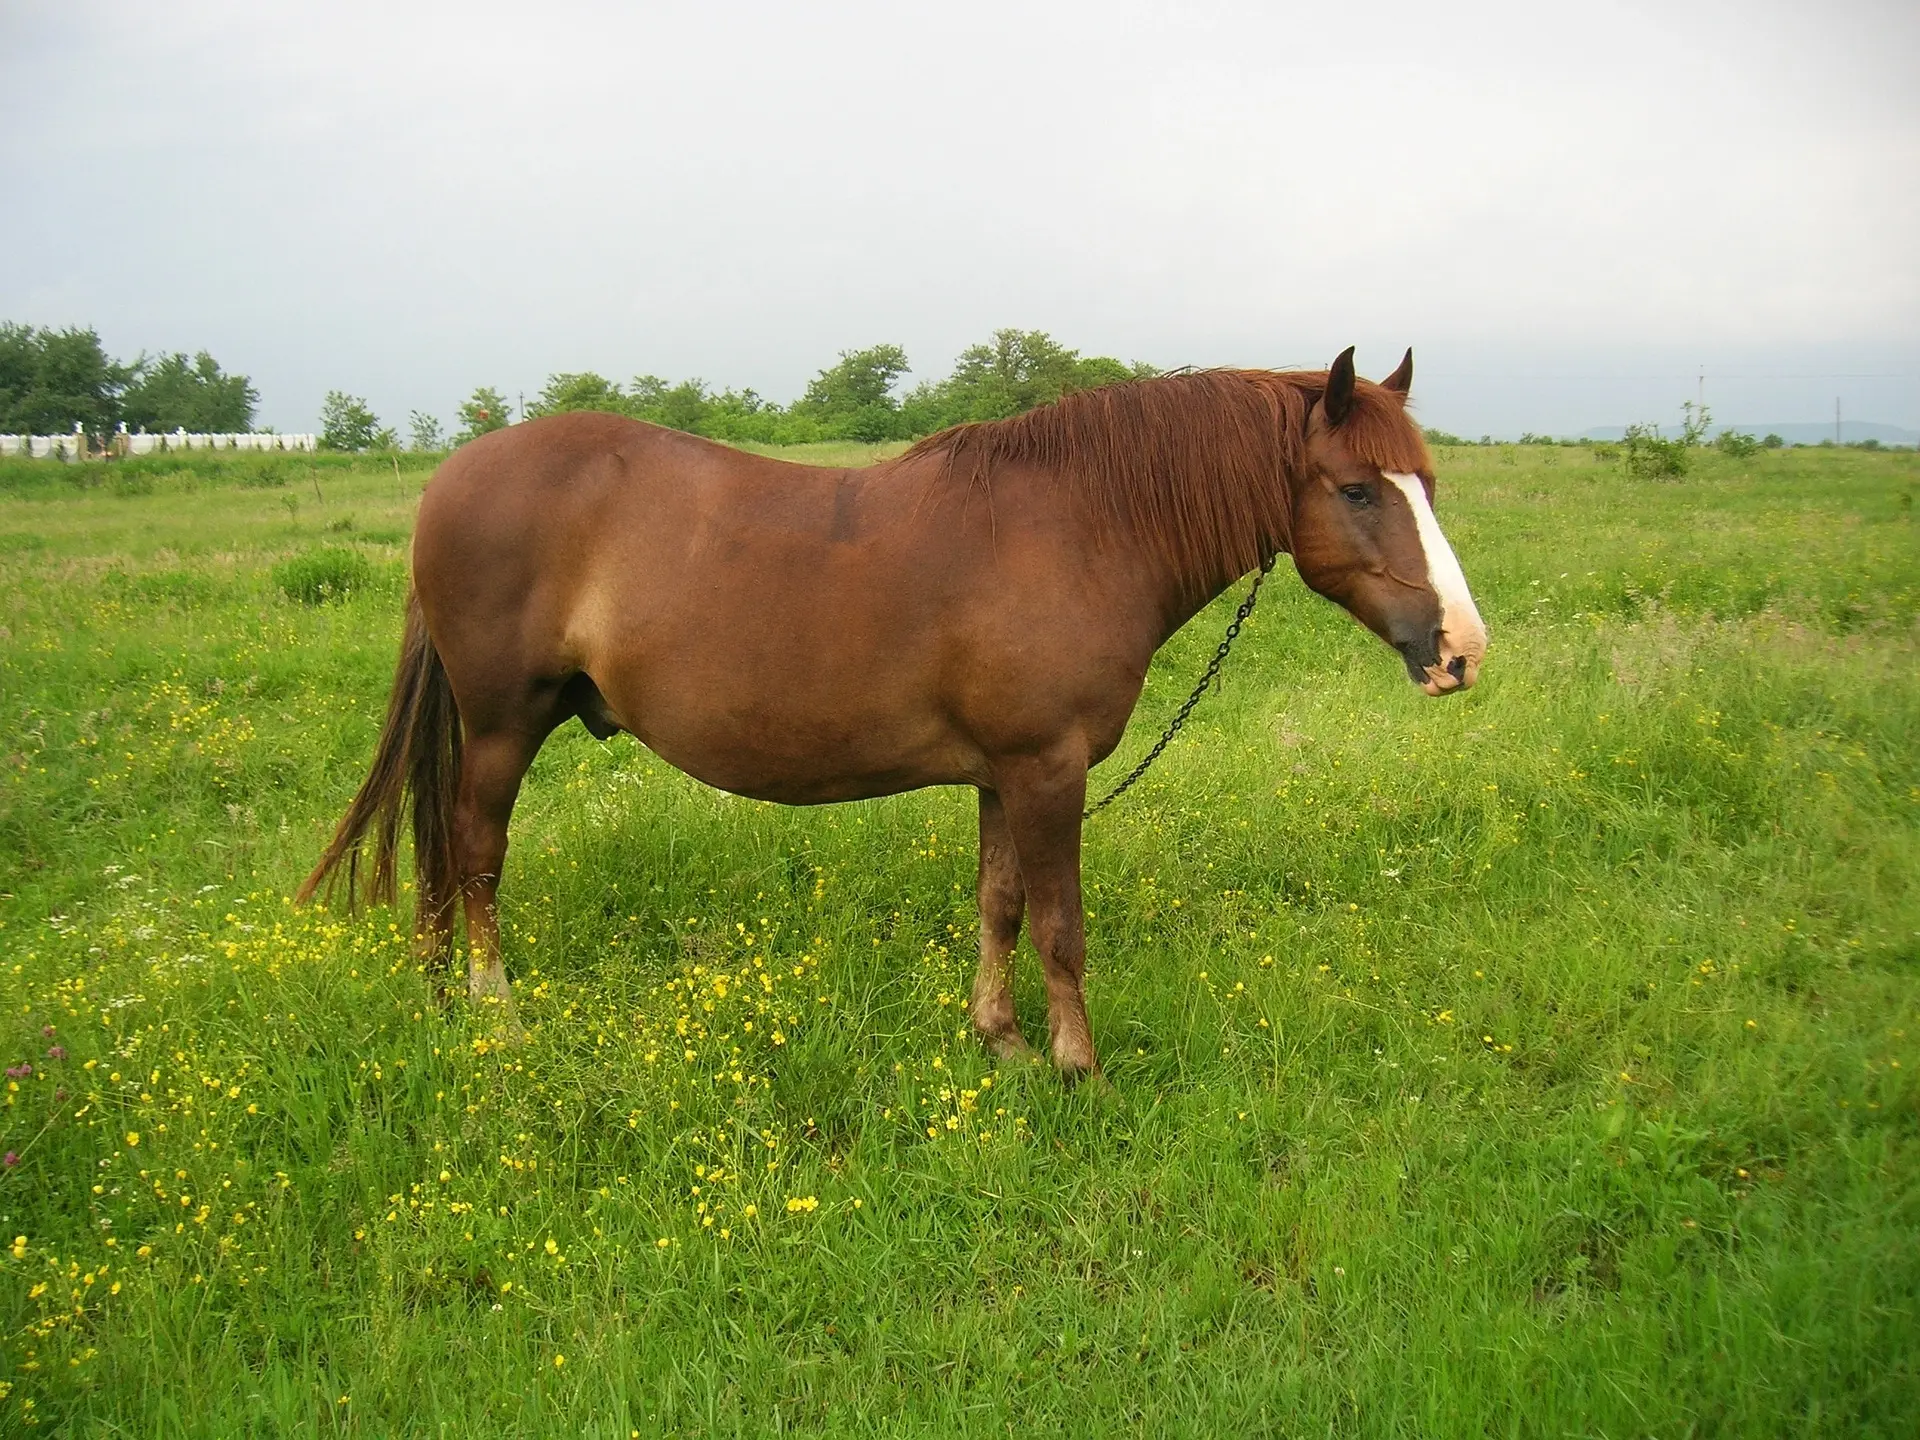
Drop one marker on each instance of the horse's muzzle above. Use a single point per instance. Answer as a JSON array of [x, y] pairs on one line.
[[1434, 673], [1458, 672]]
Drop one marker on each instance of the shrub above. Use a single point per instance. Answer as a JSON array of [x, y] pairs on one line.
[[1645, 454], [328, 573], [1733, 443], [264, 475], [1772, 442]]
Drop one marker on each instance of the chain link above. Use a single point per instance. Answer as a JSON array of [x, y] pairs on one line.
[[1180, 715]]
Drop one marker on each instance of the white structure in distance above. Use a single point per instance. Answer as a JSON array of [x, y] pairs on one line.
[[77, 446]]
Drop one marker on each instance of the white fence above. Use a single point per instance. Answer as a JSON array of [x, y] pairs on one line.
[[77, 447], [66, 447], [145, 444]]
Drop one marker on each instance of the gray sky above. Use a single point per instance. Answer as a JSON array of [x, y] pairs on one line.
[[1565, 209]]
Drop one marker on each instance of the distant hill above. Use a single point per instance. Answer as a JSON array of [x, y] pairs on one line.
[[1800, 432]]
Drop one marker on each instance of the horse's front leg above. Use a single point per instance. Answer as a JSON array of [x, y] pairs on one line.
[[1043, 796], [1002, 897]]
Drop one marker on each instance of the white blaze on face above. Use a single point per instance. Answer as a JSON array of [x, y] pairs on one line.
[[1461, 631]]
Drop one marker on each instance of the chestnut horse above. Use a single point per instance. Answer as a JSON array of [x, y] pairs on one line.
[[980, 611]]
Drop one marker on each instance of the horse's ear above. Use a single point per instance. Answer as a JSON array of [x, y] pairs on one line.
[[1339, 397], [1401, 380]]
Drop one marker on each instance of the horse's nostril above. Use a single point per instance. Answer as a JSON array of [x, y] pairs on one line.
[[1457, 667]]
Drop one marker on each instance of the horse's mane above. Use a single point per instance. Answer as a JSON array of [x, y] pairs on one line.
[[1200, 463]]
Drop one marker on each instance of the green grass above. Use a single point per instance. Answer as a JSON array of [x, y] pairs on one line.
[[1539, 1062]]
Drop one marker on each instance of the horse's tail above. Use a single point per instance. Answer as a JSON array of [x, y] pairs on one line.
[[419, 751]]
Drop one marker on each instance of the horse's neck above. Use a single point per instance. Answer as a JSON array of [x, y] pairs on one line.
[[1185, 591], [1184, 596]]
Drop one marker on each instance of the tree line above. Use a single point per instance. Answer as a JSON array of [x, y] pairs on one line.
[[858, 397], [52, 380]]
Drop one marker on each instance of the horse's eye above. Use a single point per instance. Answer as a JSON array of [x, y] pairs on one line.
[[1355, 495]]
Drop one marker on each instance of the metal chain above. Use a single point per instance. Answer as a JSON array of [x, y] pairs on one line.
[[1180, 715]]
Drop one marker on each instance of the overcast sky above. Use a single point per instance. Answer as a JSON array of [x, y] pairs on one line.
[[1565, 209]]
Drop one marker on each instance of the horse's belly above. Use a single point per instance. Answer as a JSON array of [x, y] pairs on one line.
[[781, 748], [816, 775]]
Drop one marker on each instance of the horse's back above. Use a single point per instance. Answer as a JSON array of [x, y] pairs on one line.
[[537, 518], [705, 591]]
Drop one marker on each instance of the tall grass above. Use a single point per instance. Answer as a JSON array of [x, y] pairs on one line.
[[1536, 1062]]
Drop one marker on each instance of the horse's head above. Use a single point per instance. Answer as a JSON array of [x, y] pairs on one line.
[[1364, 533]]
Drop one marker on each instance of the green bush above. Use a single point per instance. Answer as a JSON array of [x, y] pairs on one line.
[[1736, 445], [1646, 455], [328, 573], [269, 474]]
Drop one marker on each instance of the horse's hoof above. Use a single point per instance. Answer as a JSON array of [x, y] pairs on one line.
[[509, 1031], [1085, 1081], [500, 1009], [1009, 1046]]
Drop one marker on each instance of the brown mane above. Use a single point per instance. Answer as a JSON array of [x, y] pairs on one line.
[[1191, 459]]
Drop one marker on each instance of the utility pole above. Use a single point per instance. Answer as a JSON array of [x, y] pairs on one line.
[[1836, 419]]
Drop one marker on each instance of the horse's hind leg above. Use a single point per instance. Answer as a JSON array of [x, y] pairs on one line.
[[433, 936], [1002, 896], [491, 768]]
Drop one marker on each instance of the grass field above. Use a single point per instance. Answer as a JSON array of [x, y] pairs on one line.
[[1539, 1062]]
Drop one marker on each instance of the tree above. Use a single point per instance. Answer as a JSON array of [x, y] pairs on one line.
[[742, 415], [484, 411], [346, 423], [579, 390], [1013, 372], [52, 380], [175, 393], [685, 406], [854, 398], [426, 431]]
